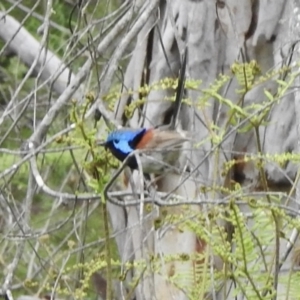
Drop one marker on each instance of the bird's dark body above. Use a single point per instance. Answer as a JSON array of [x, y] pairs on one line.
[[123, 142]]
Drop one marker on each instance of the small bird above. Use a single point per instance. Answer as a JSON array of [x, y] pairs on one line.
[[159, 148]]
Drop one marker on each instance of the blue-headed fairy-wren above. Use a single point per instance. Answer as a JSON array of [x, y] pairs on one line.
[[159, 148]]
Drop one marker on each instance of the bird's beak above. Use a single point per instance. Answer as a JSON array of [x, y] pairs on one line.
[[101, 143]]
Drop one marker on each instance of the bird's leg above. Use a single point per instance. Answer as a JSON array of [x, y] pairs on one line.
[[149, 181], [153, 192], [152, 181], [151, 187]]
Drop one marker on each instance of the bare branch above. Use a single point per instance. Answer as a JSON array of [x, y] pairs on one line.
[[21, 42]]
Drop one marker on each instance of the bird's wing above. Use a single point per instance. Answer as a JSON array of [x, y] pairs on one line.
[[165, 139], [145, 139]]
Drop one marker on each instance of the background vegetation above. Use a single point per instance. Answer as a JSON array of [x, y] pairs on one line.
[[60, 237], [52, 242]]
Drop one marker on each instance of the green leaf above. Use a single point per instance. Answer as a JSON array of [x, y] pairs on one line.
[[269, 95]]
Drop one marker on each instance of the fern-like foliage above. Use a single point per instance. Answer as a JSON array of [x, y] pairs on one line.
[[239, 259]]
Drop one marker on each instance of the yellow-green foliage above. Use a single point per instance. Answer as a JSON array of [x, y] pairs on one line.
[[245, 258], [243, 253]]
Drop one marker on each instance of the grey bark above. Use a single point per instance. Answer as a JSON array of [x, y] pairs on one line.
[[218, 34]]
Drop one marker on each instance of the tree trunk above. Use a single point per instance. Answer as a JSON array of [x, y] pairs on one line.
[[217, 35]]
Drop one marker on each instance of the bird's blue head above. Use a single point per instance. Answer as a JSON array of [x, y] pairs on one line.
[[124, 141]]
